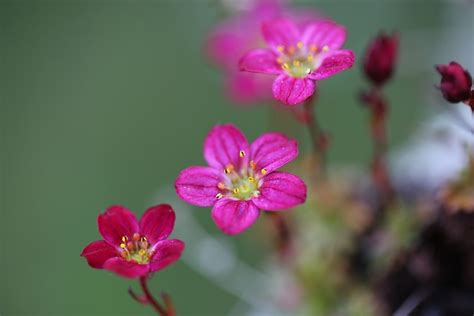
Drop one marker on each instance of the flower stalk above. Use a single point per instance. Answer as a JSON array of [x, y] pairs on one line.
[[162, 311]]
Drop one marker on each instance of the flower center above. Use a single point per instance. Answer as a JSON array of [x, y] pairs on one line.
[[243, 184], [136, 249], [299, 61]]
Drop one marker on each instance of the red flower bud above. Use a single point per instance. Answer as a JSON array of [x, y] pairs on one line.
[[380, 58], [456, 82]]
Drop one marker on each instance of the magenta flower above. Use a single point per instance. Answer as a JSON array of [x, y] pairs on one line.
[[299, 57], [133, 249], [234, 37], [242, 179]]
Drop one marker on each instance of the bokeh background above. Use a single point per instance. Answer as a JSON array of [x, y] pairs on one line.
[[104, 102]]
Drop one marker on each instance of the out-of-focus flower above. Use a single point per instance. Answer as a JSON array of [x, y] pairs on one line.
[[234, 37], [459, 195], [299, 56], [456, 82], [133, 249], [380, 58], [241, 179], [435, 156]]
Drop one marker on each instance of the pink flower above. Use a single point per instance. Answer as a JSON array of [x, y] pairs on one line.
[[235, 36], [133, 249], [242, 179], [456, 82], [380, 58], [299, 57]]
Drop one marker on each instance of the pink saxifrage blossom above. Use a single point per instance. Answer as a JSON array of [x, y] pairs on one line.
[[133, 249], [242, 178], [299, 57], [235, 36]]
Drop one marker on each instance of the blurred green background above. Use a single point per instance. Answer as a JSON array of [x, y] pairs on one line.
[[104, 102]]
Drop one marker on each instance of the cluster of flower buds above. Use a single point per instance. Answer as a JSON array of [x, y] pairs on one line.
[[456, 84]]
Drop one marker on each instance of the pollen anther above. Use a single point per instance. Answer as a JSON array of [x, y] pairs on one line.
[[219, 196], [263, 171], [242, 154]]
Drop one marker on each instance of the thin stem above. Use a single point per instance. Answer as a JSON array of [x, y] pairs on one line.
[[317, 135], [157, 306]]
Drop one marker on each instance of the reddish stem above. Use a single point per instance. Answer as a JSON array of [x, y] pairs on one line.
[[319, 139], [151, 300]]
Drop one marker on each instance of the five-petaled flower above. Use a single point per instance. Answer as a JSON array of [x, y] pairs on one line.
[[456, 82], [299, 56], [242, 179], [133, 249]]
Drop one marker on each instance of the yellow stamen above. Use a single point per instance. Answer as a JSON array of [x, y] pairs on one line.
[[219, 196], [242, 154], [123, 246], [236, 190], [252, 164], [143, 239], [221, 186], [310, 58], [251, 179], [142, 252], [325, 48], [229, 168], [124, 238], [263, 171], [300, 45], [285, 66], [281, 48], [296, 63]]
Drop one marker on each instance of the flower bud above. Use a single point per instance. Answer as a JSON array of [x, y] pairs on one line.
[[456, 82], [380, 58]]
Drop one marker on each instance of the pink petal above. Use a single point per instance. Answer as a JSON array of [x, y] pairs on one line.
[[198, 185], [224, 47], [223, 145], [333, 63], [273, 150], [280, 190], [246, 88], [260, 61], [127, 269], [116, 222], [280, 32], [157, 223], [324, 33], [166, 253], [233, 217], [292, 91], [97, 252]]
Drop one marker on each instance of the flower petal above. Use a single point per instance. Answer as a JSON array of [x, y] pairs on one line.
[[127, 269], [157, 223], [97, 252], [324, 33], [260, 61], [223, 145], [280, 32], [166, 253], [198, 185], [233, 217], [246, 88], [116, 222], [333, 63], [292, 91], [273, 150], [280, 190]]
